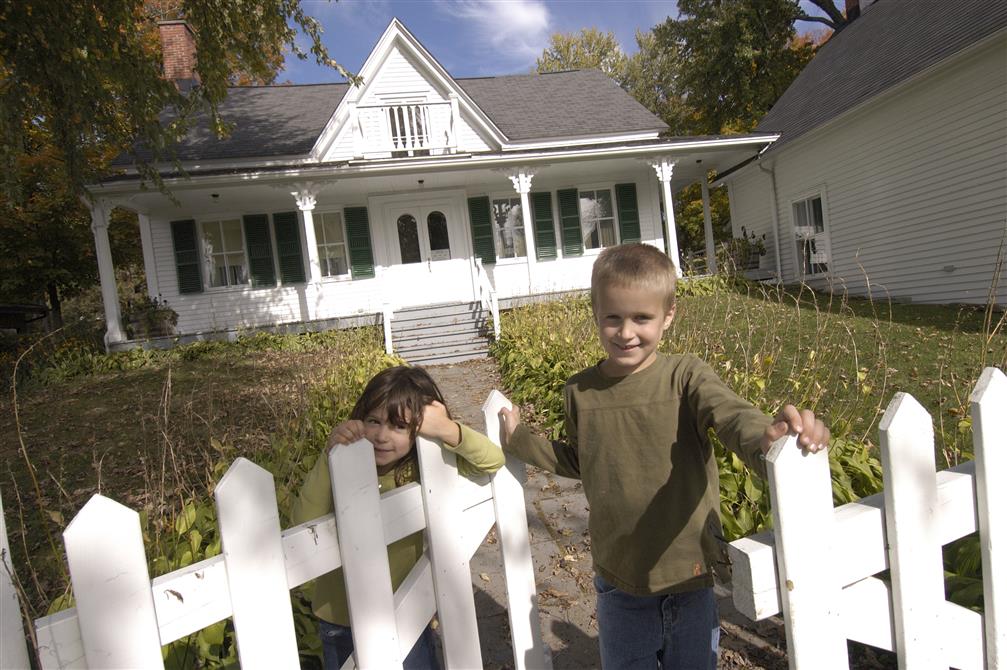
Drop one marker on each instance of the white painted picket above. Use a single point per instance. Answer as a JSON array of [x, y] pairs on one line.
[[13, 650], [830, 592], [123, 618]]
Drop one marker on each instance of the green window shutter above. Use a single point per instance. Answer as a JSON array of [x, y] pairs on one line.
[[629, 213], [358, 236], [288, 247], [183, 238], [545, 235], [569, 218], [482, 229], [260, 250]]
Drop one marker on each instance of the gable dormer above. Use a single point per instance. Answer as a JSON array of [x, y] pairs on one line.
[[408, 105]]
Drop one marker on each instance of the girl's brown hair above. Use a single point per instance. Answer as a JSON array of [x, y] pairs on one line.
[[401, 392]]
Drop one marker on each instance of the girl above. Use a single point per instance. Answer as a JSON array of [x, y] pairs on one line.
[[397, 405]]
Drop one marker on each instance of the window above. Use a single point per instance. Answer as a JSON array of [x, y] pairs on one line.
[[597, 219], [508, 228], [332, 255], [409, 239], [437, 235], [809, 230], [224, 253]]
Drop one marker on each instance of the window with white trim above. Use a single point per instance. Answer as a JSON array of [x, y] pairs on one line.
[[330, 236], [223, 253], [812, 242], [597, 218], [508, 228]]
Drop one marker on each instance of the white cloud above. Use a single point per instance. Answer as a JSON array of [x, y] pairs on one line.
[[516, 30]]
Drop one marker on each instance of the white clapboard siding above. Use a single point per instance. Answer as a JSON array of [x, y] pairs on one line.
[[989, 431], [801, 491], [112, 588], [257, 580], [901, 529], [913, 186], [13, 649], [512, 531]]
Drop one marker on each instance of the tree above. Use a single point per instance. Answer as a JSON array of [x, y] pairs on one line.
[[588, 49], [833, 18], [88, 72], [734, 59], [45, 236]]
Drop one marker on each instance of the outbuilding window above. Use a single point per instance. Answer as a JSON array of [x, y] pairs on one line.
[[811, 236]]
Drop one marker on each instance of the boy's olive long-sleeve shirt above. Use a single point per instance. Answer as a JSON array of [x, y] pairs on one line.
[[477, 455], [639, 444]]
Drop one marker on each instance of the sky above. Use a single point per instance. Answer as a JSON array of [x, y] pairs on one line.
[[470, 38]]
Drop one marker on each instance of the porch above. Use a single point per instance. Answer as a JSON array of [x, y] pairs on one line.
[[311, 247]]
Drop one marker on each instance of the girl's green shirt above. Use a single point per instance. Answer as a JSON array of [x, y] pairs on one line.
[[477, 455]]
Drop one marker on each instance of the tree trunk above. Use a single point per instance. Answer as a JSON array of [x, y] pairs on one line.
[[55, 307]]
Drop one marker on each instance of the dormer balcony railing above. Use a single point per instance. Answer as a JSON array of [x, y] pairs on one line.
[[407, 129]]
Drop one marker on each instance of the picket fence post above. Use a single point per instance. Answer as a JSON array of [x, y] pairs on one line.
[[449, 560], [256, 576], [914, 551], [801, 494], [364, 551], [13, 648], [512, 531], [108, 570], [989, 435]]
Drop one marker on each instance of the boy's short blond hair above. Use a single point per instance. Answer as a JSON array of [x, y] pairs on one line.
[[634, 266]]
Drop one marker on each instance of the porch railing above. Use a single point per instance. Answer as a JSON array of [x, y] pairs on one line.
[[411, 129], [488, 296]]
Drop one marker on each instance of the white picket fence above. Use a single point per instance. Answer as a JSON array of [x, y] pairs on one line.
[[827, 558], [123, 618]]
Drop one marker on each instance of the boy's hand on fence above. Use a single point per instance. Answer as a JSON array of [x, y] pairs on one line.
[[437, 425], [812, 433], [509, 420], [347, 432]]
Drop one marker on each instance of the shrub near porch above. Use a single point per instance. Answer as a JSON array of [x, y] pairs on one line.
[[842, 358]]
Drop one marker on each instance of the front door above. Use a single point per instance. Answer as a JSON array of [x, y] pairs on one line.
[[429, 264]]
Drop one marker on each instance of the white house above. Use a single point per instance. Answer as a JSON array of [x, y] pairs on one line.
[[890, 174], [334, 204]]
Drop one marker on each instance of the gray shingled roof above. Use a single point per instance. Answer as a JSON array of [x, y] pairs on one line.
[[286, 120], [889, 43], [268, 121], [559, 104]]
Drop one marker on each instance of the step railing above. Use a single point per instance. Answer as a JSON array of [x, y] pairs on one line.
[[488, 295]]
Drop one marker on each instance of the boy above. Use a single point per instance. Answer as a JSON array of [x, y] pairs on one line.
[[637, 436]]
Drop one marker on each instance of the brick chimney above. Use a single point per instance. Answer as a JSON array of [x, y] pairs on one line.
[[178, 49]]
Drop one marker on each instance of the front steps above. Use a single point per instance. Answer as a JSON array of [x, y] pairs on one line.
[[437, 334]]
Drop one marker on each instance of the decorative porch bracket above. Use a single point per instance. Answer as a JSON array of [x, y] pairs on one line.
[[665, 167], [521, 179], [100, 211]]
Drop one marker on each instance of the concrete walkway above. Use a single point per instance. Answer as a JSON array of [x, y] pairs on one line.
[[561, 550]]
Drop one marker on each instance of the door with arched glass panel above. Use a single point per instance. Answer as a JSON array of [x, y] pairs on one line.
[[428, 253]]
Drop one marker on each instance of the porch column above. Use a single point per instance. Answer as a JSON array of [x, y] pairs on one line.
[[149, 259], [100, 210], [664, 169], [711, 252], [306, 196], [521, 179]]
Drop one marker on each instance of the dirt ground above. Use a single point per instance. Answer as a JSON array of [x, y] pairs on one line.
[[557, 518]]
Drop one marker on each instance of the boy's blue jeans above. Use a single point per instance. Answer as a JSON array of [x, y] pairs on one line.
[[337, 647], [678, 631]]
